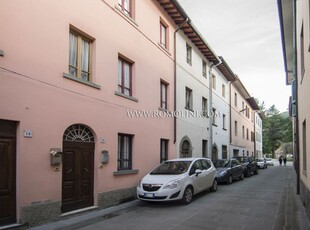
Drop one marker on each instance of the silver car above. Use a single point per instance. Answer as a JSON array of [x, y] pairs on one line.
[[178, 179]]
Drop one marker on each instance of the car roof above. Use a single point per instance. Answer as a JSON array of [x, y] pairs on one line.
[[189, 159]]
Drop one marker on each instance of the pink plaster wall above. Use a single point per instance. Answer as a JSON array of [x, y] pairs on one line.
[[35, 39]]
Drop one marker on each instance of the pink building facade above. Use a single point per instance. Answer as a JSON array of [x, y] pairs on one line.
[[72, 80]]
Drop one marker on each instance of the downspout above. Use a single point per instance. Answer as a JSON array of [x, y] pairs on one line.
[[296, 88], [175, 77], [211, 108]]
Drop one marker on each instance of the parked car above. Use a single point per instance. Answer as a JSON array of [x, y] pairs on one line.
[[269, 161], [261, 163], [249, 165], [178, 179], [228, 170]]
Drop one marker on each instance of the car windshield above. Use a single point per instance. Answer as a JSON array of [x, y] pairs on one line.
[[268, 159], [171, 167], [221, 163], [260, 159]]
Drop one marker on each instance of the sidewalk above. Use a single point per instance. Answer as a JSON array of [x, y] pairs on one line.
[[85, 219]]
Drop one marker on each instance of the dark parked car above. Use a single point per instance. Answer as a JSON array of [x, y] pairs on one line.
[[249, 165], [228, 170]]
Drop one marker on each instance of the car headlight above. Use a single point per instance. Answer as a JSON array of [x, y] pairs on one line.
[[173, 184], [222, 173], [139, 184]]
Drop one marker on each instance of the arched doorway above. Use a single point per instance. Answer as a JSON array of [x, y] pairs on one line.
[[214, 152], [185, 147], [77, 168]]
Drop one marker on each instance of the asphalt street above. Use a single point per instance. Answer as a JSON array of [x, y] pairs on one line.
[[264, 201]]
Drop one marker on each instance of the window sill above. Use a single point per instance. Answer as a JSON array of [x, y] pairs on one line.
[[163, 110], [131, 20], [126, 96], [189, 109], [214, 125], [224, 129], [304, 172], [164, 49], [88, 83], [125, 172]]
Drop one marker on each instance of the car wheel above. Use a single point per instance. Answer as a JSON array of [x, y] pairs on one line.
[[241, 176], [248, 173], [230, 180], [214, 186], [256, 171], [188, 195]]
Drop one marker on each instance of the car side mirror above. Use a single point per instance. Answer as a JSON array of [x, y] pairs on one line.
[[198, 171]]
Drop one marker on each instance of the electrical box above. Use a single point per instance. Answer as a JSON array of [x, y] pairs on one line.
[[56, 156]]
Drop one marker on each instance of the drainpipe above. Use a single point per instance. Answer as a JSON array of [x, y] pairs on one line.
[[297, 152], [187, 20], [211, 108]]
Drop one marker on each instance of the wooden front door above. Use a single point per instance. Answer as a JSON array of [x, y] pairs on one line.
[[7, 172], [77, 175]]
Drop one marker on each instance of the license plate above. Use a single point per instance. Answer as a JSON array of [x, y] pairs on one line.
[[149, 195]]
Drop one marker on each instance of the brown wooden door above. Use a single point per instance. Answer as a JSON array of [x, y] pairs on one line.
[[7, 173], [77, 175]]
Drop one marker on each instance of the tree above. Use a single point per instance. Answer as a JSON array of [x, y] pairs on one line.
[[277, 128]]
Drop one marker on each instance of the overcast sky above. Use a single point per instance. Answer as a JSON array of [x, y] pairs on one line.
[[247, 34]]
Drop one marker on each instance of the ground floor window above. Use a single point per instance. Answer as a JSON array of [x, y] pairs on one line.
[[163, 150], [224, 151], [124, 152], [304, 146], [205, 148], [236, 152]]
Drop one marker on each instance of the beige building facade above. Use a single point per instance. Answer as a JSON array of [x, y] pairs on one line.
[[295, 32], [242, 107]]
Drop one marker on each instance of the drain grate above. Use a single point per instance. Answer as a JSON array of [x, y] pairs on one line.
[[109, 215]]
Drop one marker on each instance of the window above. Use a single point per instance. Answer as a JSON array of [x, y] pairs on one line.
[[205, 148], [247, 111], [247, 134], [163, 150], [204, 68], [243, 107], [163, 34], [213, 81], [253, 137], [302, 55], [224, 121], [236, 100], [124, 152], [204, 107], [124, 77], [236, 128], [214, 117], [224, 151], [188, 98], [163, 95], [223, 90], [304, 146], [243, 132], [188, 54], [126, 6], [79, 56]]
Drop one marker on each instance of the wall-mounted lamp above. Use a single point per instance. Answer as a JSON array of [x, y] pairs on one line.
[[104, 156], [242, 110]]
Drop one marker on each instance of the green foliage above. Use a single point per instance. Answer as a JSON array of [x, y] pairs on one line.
[[277, 128]]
